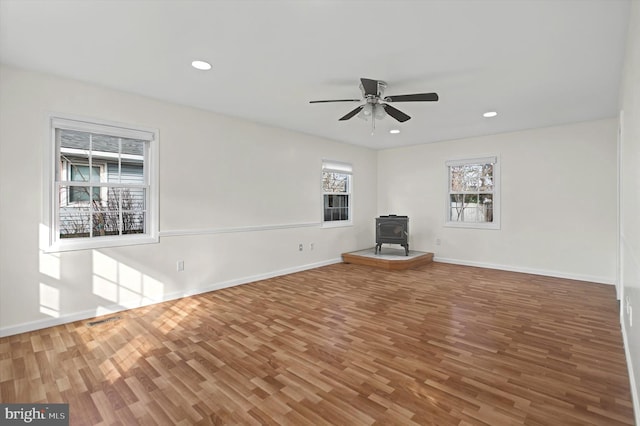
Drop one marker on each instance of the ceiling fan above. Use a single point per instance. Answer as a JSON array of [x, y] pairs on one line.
[[376, 105]]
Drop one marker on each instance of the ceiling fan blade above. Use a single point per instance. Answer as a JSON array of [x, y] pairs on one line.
[[352, 113], [370, 86], [335, 100], [396, 113], [416, 97]]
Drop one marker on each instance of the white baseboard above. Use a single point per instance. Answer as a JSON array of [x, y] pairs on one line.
[[249, 279], [92, 313], [635, 398], [557, 274]]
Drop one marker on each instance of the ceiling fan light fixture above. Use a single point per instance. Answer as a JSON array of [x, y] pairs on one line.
[[366, 112], [489, 114], [201, 65], [379, 112]]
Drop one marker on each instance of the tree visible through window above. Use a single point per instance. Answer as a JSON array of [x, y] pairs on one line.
[[473, 195], [336, 190]]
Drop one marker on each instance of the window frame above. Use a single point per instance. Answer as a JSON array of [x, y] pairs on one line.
[[496, 223], [50, 240], [331, 166]]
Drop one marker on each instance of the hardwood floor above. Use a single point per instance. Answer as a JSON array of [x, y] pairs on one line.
[[343, 344]]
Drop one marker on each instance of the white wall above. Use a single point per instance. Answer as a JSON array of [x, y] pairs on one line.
[[217, 174], [630, 203], [558, 200]]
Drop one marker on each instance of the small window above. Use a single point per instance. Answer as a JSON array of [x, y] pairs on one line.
[[473, 198], [103, 189], [336, 192]]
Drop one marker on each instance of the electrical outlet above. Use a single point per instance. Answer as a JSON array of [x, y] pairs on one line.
[[300, 247], [311, 246], [180, 265], [438, 241]]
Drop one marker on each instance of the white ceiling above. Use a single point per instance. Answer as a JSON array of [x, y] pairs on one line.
[[538, 63]]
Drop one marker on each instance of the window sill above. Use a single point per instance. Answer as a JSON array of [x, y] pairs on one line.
[[100, 242], [470, 225], [337, 224]]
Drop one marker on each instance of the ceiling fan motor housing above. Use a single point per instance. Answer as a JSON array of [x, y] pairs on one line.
[[375, 97]]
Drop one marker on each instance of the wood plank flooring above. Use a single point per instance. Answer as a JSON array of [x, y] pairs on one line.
[[343, 344]]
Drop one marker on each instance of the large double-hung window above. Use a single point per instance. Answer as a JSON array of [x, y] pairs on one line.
[[103, 186]]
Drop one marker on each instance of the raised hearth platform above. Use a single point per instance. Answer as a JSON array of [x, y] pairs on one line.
[[390, 259]]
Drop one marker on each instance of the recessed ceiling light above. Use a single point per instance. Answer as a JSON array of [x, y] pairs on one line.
[[489, 114], [201, 65], [394, 131]]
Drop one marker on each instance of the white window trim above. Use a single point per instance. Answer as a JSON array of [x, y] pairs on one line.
[[496, 224], [337, 167], [49, 238]]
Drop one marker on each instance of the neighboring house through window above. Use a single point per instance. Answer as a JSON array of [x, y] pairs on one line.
[[473, 196], [103, 186], [336, 192], [80, 173]]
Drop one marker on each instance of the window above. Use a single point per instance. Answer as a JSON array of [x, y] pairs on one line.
[[336, 192], [102, 190], [80, 173], [473, 199]]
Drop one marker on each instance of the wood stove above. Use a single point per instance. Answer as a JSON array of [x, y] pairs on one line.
[[392, 229]]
